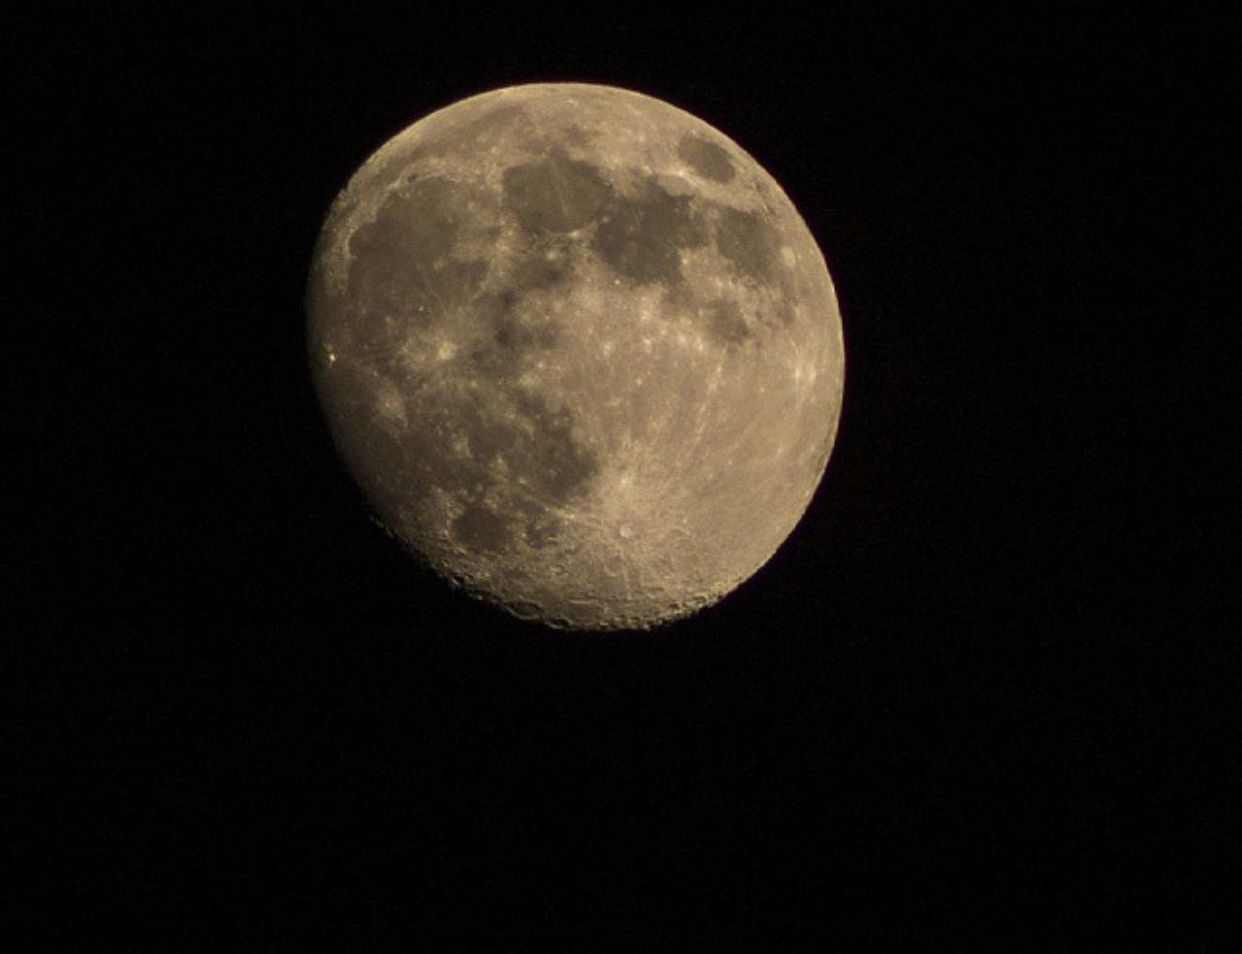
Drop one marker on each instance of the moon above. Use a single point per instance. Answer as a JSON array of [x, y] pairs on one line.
[[579, 351]]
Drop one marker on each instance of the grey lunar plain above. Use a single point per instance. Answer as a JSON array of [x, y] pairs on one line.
[[579, 350]]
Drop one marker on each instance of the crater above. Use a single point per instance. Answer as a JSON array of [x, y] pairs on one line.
[[706, 158]]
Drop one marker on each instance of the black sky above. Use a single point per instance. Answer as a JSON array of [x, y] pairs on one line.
[[978, 699]]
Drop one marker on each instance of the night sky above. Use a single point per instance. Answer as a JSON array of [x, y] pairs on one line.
[[977, 699]]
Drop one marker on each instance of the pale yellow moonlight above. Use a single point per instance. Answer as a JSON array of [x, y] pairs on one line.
[[579, 350]]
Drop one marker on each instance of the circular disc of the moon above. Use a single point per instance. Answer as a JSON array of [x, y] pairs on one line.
[[579, 350]]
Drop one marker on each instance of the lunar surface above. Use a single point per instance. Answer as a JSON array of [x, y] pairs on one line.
[[579, 350]]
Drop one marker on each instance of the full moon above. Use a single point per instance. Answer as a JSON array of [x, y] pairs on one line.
[[579, 350]]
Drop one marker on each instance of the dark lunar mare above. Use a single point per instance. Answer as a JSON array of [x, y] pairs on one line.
[[749, 243], [640, 236], [406, 279], [555, 193], [706, 158], [403, 273]]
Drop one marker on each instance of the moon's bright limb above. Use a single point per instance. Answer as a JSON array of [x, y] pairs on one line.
[[579, 350]]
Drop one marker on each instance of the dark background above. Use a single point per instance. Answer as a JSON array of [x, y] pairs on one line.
[[977, 700]]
